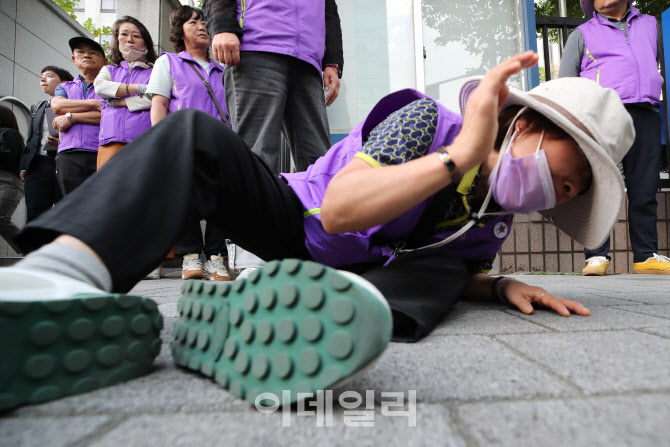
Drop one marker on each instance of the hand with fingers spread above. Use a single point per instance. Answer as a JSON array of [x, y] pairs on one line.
[[523, 296], [480, 122]]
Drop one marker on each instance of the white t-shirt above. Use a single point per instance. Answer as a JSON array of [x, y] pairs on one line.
[[161, 80], [106, 88]]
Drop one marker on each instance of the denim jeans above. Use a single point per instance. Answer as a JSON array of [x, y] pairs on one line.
[[11, 193]]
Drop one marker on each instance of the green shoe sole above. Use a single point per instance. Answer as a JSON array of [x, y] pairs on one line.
[[294, 326], [51, 349]]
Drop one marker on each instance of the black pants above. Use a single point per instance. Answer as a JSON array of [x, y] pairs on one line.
[[192, 159], [641, 166], [73, 168], [41, 186], [191, 241]]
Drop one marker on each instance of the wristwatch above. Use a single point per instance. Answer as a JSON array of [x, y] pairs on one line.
[[68, 115], [445, 158]]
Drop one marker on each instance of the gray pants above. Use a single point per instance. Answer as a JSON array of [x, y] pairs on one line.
[[268, 95], [11, 193]]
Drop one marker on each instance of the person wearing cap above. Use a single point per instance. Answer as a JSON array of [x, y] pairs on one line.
[[619, 48], [79, 122], [377, 239]]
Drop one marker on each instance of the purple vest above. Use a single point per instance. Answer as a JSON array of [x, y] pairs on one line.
[[79, 136], [627, 65], [295, 28], [189, 92], [365, 246], [120, 125]]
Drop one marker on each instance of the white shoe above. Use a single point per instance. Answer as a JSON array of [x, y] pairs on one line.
[[215, 270], [246, 272], [156, 273], [191, 267], [60, 336]]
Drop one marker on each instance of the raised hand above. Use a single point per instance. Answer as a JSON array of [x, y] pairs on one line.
[[480, 122]]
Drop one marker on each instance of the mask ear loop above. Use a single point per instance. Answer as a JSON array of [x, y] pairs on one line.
[[540, 143], [475, 217]]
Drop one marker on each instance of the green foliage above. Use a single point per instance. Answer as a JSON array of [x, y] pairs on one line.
[[547, 8], [67, 6]]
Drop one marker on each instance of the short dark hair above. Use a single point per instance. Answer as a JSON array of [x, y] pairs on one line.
[[62, 73], [115, 55], [8, 120], [178, 17]]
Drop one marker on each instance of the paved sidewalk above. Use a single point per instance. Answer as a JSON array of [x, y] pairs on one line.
[[487, 376]]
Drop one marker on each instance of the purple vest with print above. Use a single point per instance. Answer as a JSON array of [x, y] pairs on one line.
[[79, 136], [189, 92], [364, 246], [627, 65], [118, 124], [295, 28]]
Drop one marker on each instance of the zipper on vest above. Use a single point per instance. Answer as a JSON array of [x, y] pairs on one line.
[[244, 9], [598, 76]]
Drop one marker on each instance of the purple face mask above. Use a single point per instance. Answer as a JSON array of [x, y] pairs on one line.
[[524, 185]]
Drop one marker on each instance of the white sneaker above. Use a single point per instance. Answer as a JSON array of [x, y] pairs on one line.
[[215, 270], [191, 267], [246, 272], [60, 336], [156, 273]]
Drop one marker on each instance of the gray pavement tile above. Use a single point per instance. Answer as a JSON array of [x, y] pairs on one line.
[[655, 310], [660, 331], [458, 367], [603, 421], [165, 390], [601, 362], [48, 431], [433, 427], [467, 322], [169, 310], [601, 318]]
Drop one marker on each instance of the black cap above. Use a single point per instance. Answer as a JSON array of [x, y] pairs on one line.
[[76, 41]]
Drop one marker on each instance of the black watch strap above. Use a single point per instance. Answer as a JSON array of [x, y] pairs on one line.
[[445, 158]]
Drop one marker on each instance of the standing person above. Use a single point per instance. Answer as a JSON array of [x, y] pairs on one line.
[[280, 56], [619, 48], [123, 84], [11, 186], [178, 82], [299, 326], [79, 123], [38, 163]]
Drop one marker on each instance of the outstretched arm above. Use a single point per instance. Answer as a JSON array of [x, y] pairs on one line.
[[360, 196], [520, 295]]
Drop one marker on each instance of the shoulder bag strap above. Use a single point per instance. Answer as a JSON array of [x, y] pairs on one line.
[[210, 91]]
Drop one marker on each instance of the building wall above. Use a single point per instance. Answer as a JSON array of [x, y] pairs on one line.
[[33, 34]]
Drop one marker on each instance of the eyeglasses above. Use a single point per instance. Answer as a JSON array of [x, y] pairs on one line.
[[134, 36]]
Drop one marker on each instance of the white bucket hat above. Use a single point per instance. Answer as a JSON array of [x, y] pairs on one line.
[[595, 117], [588, 9]]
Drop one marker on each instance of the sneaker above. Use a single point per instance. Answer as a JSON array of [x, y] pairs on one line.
[[596, 266], [244, 273], [191, 267], [215, 270], [292, 327], [59, 336], [156, 273], [657, 264]]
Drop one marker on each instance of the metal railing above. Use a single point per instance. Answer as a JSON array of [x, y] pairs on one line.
[[544, 24]]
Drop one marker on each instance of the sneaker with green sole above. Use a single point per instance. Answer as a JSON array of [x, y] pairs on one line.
[[294, 326], [59, 337]]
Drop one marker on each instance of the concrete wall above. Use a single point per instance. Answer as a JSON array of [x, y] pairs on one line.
[[33, 34], [154, 14]]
